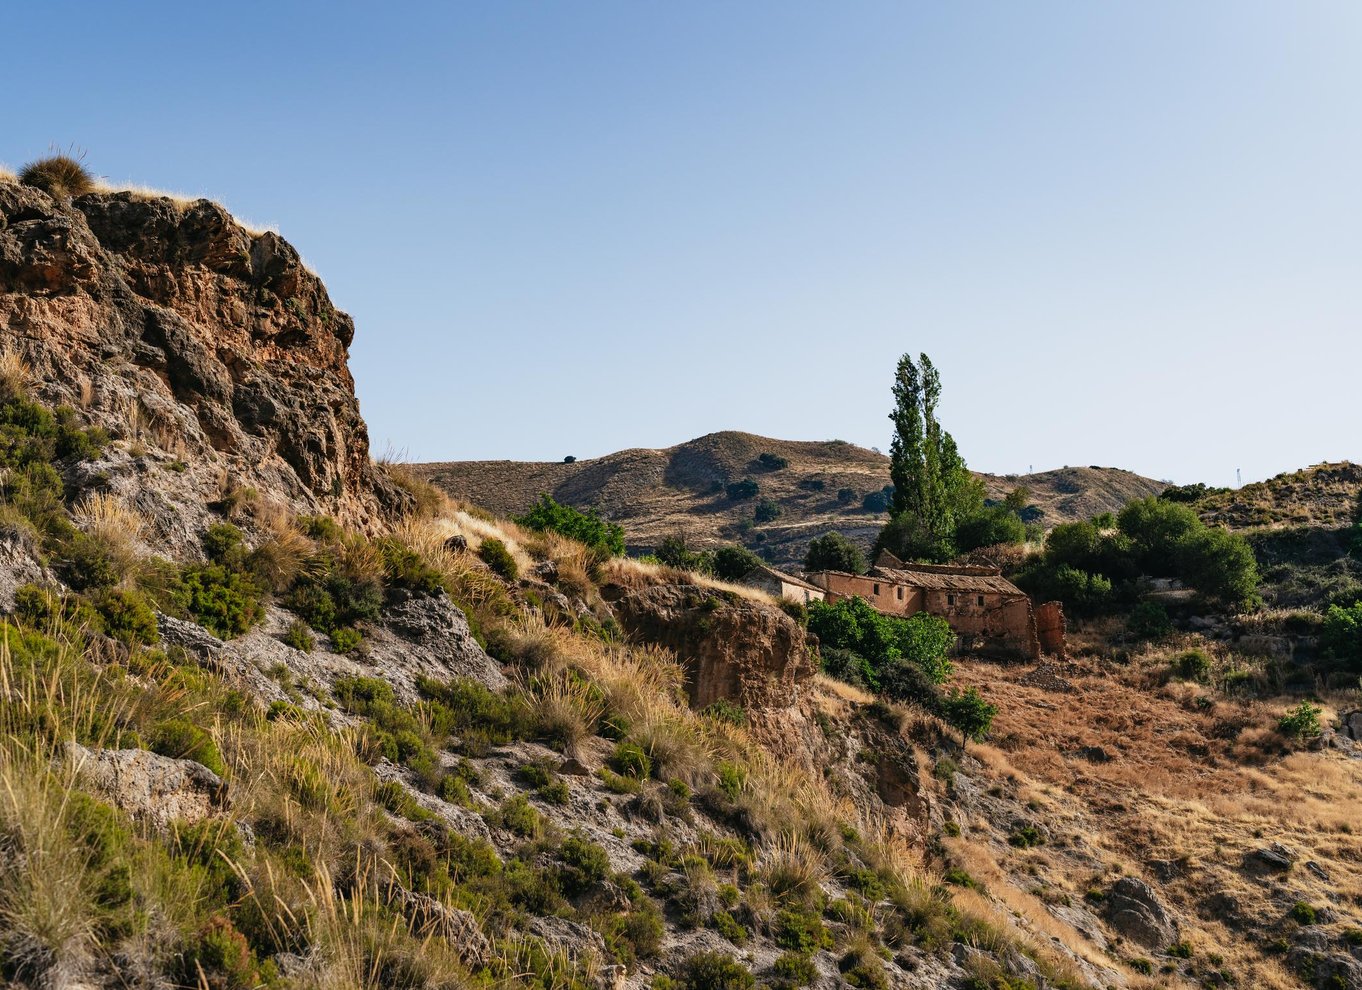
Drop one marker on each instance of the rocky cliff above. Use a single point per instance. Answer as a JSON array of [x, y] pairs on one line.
[[210, 345]]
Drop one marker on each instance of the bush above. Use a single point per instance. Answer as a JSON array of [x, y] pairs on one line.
[[853, 624], [128, 617], [494, 554], [878, 501], [674, 552], [801, 931], [630, 760], [300, 637], [733, 563], [845, 496], [1300, 722], [1303, 914], [905, 681], [605, 538], [715, 971], [1341, 635], [834, 552], [585, 866], [1149, 620], [741, 491], [724, 710], [345, 639], [1220, 565], [793, 970], [990, 526], [60, 176], [225, 602], [773, 462], [181, 739], [1192, 665], [727, 926]]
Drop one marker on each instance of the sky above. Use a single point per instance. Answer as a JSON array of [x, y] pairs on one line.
[[1127, 234]]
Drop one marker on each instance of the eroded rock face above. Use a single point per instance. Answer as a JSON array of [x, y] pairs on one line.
[[1137, 913], [152, 788], [732, 648], [196, 338]]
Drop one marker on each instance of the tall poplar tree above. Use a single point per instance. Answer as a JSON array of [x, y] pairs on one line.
[[933, 489]]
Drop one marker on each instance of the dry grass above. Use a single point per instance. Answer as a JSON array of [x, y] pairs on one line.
[[631, 573], [8, 174], [47, 886], [115, 524], [793, 869], [16, 378]]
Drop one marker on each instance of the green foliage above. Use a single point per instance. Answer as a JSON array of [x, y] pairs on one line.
[[727, 926], [793, 970], [733, 563], [584, 866], [225, 544], [903, 680], [183, 740], [990, 526], [853, 624], [1189, 494], [346, 639], [518, 816], [834, 552], [1192, 665], [1220, 565], [1303, 914], [933, 491], [300, 637], [225, 602], [606, 538], [1300, 722], [742, 491], [766, 511], [714, 971], [494, 554], [630, 760], [674, 552], [773, 462], [127, 617], [845, 496], [968, 711], [60, 176], [724, 710], [1026, 836], [331, 593], [1149, 620], [1082, 592], [1341, 635], [801, 930]]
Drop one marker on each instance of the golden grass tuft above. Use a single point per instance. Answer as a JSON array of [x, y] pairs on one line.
[[115, 524], [793, 869], [62, 176], [16, 378], [8, 174]]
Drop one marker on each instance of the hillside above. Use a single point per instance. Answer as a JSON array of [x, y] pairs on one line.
[[277, 717], [656, 493]]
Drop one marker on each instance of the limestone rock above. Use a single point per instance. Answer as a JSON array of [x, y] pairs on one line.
[[1134, 910], [150, 787], [18, 565], [427, 636], [1275, 857]]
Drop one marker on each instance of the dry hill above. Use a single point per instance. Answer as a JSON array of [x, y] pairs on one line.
[[655, 493]]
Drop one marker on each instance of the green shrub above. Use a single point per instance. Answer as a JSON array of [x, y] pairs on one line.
[[60, 176], [225, 602], [801, 931], [1149, 620], [518, 816], [834, 552], [773, 462], [630, 760], [724, 710], [715, 971], [741, 491], [1192, 665], [224, 544], [793, 970], [181, 739], [494, 554], [584, 866], [766, 511], [1341, 635], [1303, 914], [127, 617], [727, 926], [605, 538], [990, 526], [345, 639], [220, 957], [1300, 722], [300, 637], [853, 624], [1026, 836], [733, 563], [845, 496], [878, 501]]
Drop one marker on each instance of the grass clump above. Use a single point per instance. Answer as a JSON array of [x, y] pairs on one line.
[[494, 554], [62, 176], [715, 971]]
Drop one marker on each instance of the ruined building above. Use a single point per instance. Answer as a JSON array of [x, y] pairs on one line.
[[989, 613]]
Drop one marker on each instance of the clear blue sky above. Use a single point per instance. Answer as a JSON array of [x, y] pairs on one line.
[[1128, 234]]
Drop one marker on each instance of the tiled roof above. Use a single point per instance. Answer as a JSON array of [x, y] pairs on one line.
[[934, 580]]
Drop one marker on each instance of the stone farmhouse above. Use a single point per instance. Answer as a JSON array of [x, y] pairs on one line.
[[989, 613], [782, 585]]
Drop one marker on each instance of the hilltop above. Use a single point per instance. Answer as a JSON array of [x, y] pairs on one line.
[[681, 489]]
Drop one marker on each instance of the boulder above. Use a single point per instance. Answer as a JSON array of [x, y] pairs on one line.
[[1272, 858], [1350, 725], [150, 787], [1134, 910], [427, 636]]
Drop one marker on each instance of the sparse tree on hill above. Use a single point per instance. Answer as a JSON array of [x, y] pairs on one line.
[[834, 552]]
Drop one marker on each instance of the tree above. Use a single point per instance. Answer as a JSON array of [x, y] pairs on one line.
[[1220, 565], [606, 538], [834, 552], [732, 563], [740, 491], [968, 711], [989, 527], [932, 486]]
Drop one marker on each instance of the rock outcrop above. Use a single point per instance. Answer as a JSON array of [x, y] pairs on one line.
[[151, 788], [210, 346], [1137, 913], [732, 648]]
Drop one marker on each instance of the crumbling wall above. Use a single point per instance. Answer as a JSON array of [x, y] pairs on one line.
[[838, 585], [1050, 629]]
